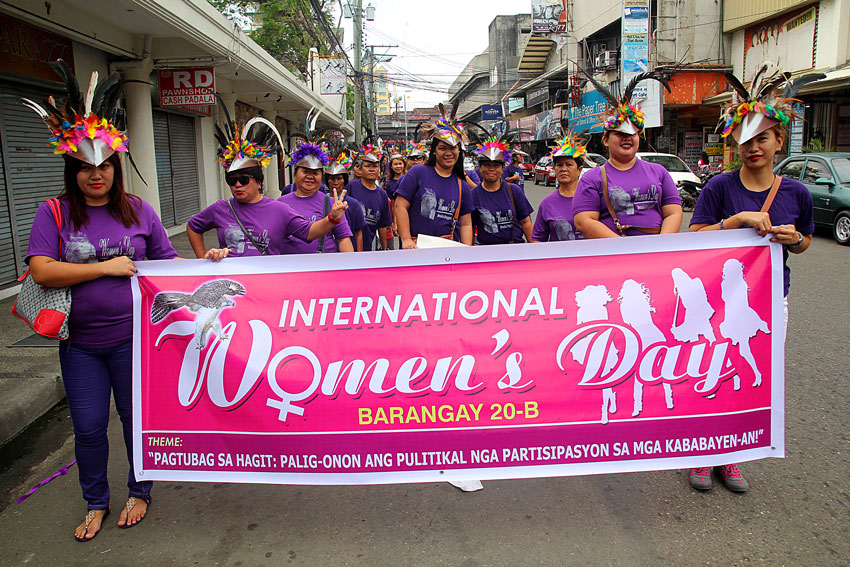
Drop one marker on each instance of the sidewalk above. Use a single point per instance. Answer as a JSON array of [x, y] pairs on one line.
[[30, 378]]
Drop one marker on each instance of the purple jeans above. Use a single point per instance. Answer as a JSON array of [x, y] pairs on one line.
[[89, 375]]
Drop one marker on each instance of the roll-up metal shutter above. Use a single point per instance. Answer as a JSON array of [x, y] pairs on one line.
[[176, 167], [162, 151], [7, 247], [31, 174]]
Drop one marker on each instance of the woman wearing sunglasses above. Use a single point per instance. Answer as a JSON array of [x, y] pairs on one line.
[[250, 223]]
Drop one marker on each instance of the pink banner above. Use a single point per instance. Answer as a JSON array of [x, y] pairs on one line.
[[463, 363]]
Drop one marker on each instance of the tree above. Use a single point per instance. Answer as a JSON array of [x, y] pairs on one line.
[[287, 28]]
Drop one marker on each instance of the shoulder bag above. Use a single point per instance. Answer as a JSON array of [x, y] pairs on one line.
[[262, 251], [45, 309]]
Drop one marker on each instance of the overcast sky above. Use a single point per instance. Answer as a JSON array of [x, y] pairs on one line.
[[435, 38]]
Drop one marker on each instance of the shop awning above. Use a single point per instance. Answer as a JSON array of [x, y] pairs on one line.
[[536, 54]]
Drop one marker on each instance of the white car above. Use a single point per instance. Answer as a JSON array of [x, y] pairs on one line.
[[677, 169]]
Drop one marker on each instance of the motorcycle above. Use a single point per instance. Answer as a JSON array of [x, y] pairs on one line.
[[689, 193]]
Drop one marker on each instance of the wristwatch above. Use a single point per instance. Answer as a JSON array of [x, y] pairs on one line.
[[798, 243]]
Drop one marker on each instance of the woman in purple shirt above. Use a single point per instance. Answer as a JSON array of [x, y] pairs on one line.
[[251, 224], [554, 220], [755, 197], [104, 230], [434, 198], [626, 196]]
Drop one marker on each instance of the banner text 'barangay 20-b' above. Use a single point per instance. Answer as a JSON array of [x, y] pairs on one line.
[[510, 361]]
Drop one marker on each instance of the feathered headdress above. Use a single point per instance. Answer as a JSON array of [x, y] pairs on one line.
[[370, 152], [341, 164], [622, 115], [83, 127], [753, 111], [492, 145], [311, 151], [417, 149], [249, 146], [571, 145], [396, 153], [446, 128]]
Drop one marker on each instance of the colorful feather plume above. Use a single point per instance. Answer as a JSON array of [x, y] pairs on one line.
[[621, 110], [762, 98]]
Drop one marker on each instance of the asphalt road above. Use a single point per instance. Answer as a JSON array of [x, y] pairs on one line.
[[796, 513]]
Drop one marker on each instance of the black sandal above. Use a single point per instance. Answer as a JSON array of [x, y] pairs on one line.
[[131, 503], [89, 519]]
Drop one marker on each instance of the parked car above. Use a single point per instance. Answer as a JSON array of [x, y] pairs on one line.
[[827, 176], [469, 163], [598, 159], [527, 169], [674, 165], [543, 171]]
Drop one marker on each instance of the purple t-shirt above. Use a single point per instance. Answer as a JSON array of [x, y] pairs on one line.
[[391, 186], [511, 170], [433, 200], [354, 214], [101, 309], [554, 220], [268, 221], [312, 208], [376, 209], [494, 218], [725, 195], [475, 176], [637, 194]]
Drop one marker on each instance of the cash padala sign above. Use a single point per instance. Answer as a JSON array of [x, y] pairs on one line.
[[180, 87]]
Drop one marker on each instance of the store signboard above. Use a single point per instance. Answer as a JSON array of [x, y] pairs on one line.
[[549, 16], [491, 111], [538, 95], [589, 114], [332, 75], [635, 60], [181, 87], [515, 103], [796, 144], [788, 39], [28, 50]]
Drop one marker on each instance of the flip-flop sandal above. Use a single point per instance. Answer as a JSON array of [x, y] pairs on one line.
[[89, 519], [131, 503]]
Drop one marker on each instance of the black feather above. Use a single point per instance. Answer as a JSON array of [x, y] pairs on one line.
[[792, 87], [612, 100], [442, 108], [738, 86], [649, 75], [230, 127], [417, 132], [755, 84], [100, 90], [75, 99], [135, 167], [772, 85], [453, 115], [477, 133]]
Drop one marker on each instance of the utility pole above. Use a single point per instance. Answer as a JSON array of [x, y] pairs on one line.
[[358, 69], [372, 96]]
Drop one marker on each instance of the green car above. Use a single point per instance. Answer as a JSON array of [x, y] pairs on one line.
[[827, 175]]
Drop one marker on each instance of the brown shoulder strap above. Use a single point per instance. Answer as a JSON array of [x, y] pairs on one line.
[[774, 189], [622, 228], [459, 197], [608, 199]]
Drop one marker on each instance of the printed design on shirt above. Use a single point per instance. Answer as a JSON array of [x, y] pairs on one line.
[[488, 221], [628, 201], [372, 216], [496, 221], [79, 250], [564, 230], [236, 240], [428, 205]]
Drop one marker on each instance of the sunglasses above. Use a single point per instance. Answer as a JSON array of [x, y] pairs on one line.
[[241, 179]]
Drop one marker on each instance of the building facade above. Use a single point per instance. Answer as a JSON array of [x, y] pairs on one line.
[[173, 146]]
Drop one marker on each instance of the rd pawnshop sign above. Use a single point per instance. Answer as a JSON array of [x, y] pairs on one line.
[[180, 87]]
